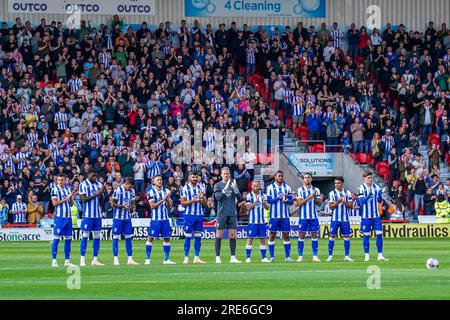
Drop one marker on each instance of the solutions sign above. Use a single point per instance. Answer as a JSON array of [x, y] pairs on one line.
[[255, 8], [104, 7], [317, 164]]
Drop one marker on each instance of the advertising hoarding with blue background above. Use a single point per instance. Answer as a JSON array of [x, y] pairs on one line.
[[255, 8]]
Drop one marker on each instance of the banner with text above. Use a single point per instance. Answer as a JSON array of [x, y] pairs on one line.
[[255, 8], [318, 164], [396, 231], [107, 7]]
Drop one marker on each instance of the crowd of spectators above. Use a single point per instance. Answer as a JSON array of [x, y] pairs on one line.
[[110, 98]]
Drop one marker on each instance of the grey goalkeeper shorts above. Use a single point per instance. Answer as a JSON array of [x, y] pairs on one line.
[[226, 222]]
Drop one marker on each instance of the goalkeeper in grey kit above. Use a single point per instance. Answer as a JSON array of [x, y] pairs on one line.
[[227, 195]]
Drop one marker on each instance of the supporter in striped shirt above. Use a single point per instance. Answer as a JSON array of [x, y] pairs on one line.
[[288, 94], [252, 50], [193, 199], [369, 194], [256, 202], [123, 202], [279, 196], [340, 201], [307, 199], [154, 166], [62, 200], [19, 211], [61, 119], [298, 108], [160, 203], [90, 191], [337, 36]]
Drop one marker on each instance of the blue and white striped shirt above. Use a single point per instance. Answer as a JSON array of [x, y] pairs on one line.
[[278, 210], [123, 197], [91, 208], [61, 119], [309, 209], [298, 109], [21, 156], [61, 210], [369, 210], [160, 213], [340, 213], [210, 140], [20, 217], [189, 192], [288, 94], [256, 215], [154, 169]]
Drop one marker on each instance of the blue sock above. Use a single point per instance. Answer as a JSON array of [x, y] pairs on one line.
[[287, 249], [166, 250], [366, 243], [67, 247], [187, 246], [96, 246], [263, 251], [83, 246], [55, 247], [379, 243], [347, 247], [197, 246], [301, 246], [148, 249], [129, 246], [272, 249], [248, 250], [115, 247], [330, 246], [315, 246]]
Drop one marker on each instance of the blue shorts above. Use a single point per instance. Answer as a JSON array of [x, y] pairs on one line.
[[344, 228], [62, 227], [305, 225], [193, 223], [122, 227], [257, 230], [279, 224], [367, 225], [91, 224], [160, 229]]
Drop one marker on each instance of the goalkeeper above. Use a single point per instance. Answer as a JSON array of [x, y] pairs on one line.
[[227, 195]]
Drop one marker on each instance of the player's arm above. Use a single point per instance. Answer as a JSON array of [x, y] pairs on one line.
[[271, 199], [114, 204], [185, 202], [250, 205], [219, 193], [332, 203], [301, 202]]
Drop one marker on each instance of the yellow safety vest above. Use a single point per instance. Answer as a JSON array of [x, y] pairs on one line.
[[74, 213], [442, 211]]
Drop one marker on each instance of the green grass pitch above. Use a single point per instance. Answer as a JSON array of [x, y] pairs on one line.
[[25, 273]]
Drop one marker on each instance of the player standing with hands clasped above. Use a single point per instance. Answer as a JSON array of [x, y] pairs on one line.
[[62, 200], [369, 195], [340, 201], [90, 191], [279, 196], [160, 203], [307, 199], [256, 202], [227, 195], [192, 198], [123, 202]]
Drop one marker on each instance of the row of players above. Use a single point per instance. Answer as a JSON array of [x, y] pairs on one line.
[[278, 199]]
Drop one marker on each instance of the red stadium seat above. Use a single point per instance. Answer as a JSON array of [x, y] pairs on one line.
[[434, 139], [289, 122], [281, 114], [304, 136], [361, 158], [318, 148], [380, 165]]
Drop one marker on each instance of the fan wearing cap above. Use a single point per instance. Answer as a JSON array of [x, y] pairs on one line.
[[19, 211]]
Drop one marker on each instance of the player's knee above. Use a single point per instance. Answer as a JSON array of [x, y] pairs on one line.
[[97, 234], [378, 233], [366, 234], [67, 238], [188, 235], [85, 234], [197, 235], [57, 238], [128, 236], [116, 237]]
